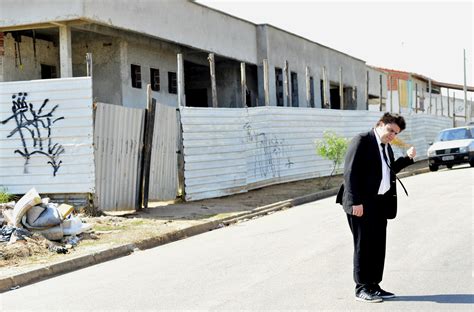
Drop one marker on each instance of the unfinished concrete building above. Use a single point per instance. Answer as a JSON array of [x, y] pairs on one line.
[[133, 44]]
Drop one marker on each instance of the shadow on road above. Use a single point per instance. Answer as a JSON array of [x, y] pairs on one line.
[[454, 298]]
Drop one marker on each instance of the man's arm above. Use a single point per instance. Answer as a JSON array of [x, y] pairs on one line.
[[406, 161]]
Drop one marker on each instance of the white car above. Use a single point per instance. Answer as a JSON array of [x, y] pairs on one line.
[[452, 146]]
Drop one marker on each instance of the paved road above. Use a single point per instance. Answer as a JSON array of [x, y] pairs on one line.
[[298, 259]]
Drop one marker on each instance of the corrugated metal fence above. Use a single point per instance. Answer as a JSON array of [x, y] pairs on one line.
[[118, 142], [164, 167], [46, 136], [227, 151], [118, 146], [47, 133]]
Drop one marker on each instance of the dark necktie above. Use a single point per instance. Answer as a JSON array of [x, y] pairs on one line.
[[386, 161]]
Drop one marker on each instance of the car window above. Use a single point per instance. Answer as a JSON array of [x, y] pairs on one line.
[[456, 134]]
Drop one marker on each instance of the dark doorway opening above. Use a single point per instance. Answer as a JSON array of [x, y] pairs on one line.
[[335, 98], [196, 97], [196, 84], [279, 86], [48, 72]]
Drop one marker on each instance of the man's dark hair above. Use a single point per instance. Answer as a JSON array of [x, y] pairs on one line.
[[389, 118]]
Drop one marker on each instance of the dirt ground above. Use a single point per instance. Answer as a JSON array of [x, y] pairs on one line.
[[160, 218]]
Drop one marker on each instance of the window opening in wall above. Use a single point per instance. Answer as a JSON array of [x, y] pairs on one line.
[[311, 91], [294, 89], [172, 87], [48, 71], [136, 76], [155, 79], [279, 86]]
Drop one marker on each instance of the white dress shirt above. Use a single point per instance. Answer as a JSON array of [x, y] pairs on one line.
[[385, 183]]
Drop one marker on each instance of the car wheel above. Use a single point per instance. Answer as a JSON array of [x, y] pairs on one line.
[[433, 167], [449, 166], [471, 163]]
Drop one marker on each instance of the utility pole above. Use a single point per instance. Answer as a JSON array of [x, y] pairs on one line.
[[465, 88], [380, 102]]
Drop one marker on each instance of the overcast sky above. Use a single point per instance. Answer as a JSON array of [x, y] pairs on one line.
[[425, 37]]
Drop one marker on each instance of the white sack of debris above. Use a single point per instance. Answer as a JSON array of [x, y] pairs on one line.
[[30, 199]]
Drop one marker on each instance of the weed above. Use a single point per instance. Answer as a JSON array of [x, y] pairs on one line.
[[5, 197]]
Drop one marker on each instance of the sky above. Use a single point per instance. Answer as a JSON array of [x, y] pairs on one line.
[[424, 37]]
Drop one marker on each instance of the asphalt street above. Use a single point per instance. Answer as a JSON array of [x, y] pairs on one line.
[[297, 259]]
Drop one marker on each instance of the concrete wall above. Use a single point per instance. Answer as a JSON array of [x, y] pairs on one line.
[[106, 60], [162, 57], [228, 84], [278, 46], [374, 82], [30, 68]]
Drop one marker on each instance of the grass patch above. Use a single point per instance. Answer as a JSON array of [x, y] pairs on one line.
[[5, 197], [108, 227]]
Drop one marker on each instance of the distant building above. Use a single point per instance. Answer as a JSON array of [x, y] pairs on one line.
[[410, 92]]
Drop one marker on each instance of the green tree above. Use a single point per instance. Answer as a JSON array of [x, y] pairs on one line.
[[332, 147]]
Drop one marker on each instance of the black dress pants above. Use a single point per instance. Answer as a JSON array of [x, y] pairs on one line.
[[369, 233]]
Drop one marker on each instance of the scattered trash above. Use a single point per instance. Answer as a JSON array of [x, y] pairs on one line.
[[73, 226], [19, 234], [15, 287], [39, 222], [58, 249], [11, 234], [71, 240]]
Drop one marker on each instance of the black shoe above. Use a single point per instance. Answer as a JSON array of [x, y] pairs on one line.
[[383, 294], [367, 296]]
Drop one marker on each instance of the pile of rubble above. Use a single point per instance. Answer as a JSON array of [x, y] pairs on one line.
[[34, 223]]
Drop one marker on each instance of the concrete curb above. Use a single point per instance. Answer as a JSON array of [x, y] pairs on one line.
[[69, 265]]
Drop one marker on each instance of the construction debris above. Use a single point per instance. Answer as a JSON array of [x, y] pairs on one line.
[[35, 222]]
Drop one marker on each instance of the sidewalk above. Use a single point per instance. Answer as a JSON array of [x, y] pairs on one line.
[[121, 234]]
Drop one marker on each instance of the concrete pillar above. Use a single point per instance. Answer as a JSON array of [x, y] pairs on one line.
[[266, 82], [308, 87], [212, 68], [65, 54], [180, 82], [286, 83], [243, 85], [2, 55], [367, 91], [341, 90], [325, 89]]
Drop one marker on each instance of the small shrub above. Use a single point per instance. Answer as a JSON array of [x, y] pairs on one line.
[[332, 147], [5, 197]]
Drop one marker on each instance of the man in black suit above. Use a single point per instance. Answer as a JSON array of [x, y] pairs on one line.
[[369, 198]]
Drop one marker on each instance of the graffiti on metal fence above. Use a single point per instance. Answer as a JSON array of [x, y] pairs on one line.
[[271, 152], [34, 129]]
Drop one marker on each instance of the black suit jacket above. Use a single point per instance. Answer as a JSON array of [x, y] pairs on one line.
[[363, 174]]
